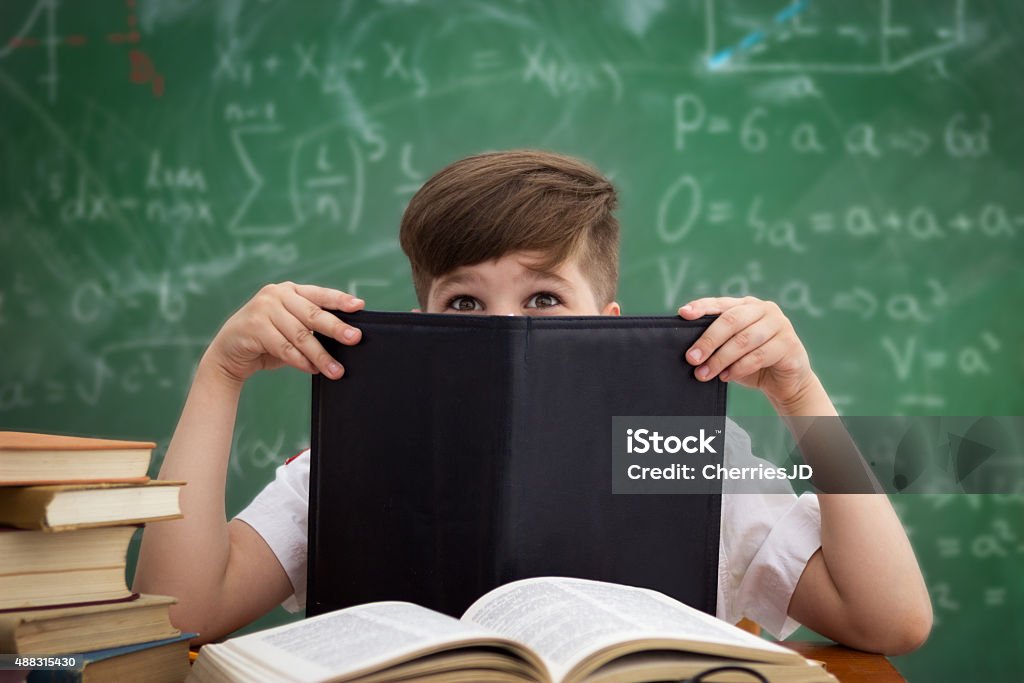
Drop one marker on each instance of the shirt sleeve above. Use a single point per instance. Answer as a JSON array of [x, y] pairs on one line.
[[767, 537], [280, 514]]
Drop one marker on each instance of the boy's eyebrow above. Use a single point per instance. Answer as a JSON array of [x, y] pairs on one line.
[[448, 281], [460, 279], [542, 274]]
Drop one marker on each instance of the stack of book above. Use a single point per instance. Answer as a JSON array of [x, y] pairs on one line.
[[69, 507]]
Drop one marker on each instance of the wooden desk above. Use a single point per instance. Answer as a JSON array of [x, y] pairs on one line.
[[849, 666]]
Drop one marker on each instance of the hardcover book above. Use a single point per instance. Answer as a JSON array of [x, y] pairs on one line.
[[55, 630], [459, 453], [157, 661], [28, 458], [63, 507]]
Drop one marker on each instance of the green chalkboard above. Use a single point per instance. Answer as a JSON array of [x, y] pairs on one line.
[[860, 163]]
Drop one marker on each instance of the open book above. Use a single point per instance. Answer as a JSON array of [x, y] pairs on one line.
[[541, 630]]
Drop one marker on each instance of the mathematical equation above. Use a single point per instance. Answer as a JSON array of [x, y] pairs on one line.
[[684, 205], [911, 355], [390, 62], [758, 131], [681, 277], [322, 175]]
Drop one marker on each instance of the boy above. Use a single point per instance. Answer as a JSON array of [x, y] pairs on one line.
[[525, 233]]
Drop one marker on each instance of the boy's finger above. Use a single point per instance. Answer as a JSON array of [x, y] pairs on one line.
[[319, 320], [747, 341], [301, 337], [767, 355], [712, 305], [731, 321], [334, 299], [276, 344]]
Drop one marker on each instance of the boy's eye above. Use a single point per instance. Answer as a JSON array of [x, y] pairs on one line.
[[464, 303], [543, 300]]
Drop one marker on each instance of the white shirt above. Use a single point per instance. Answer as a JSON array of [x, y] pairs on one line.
[[766, 538]]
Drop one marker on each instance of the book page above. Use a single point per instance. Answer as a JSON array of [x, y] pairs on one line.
[[355, 640], [566, 620]]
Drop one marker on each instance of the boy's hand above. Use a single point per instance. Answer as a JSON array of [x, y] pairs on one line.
[[752, 343], [275, 328]]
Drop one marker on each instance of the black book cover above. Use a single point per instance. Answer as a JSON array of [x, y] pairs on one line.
[[460, 452]]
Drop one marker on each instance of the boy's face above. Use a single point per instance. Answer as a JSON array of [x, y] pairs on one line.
[[514, 285]]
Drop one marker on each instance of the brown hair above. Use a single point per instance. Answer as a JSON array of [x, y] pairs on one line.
[[488, 205]]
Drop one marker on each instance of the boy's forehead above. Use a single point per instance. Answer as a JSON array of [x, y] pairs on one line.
[[521, 263]]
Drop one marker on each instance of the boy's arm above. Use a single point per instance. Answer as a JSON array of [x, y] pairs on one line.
[[224, 574], [863, 587], [197, 559]]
